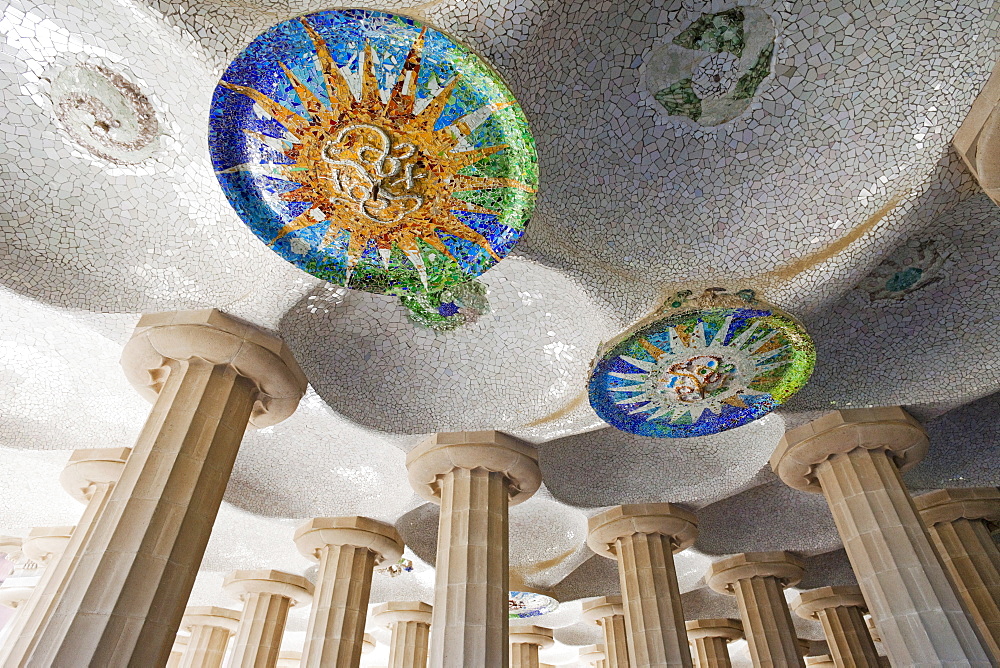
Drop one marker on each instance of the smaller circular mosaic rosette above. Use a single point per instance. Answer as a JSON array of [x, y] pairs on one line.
[[525, 604], [709, 364], [373, 152]]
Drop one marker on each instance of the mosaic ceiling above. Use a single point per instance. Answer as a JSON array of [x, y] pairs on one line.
[[797, 149]]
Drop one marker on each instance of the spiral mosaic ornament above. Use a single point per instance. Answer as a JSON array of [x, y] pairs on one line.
[[373, 152], [524, 604], [704, 365]]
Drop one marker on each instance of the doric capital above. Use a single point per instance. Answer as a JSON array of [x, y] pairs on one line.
[[597, 609], [368, 644], [13, 596], [592, 654], [220, 339], [402, 611], [45, 543], [887, 428], [379, 537], [727, 629], [490, 450], [808, 604], [821, 661], [91, 467], [180, 643], [530, 635], [948, 505], [666, 519], [11, 547], [210, 615], [289, 659], [978, 138], [723, 575], [240, 584]]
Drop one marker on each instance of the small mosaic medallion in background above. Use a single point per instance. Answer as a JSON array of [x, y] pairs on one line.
[[374, 152], [711, 70], [703, 365], [525, 604], [913, 266]]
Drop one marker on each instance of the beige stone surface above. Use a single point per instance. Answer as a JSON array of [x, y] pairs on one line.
[[854, 458], [841, 611], [643, 539], [177, 651], [710, 640], [525, 641], [475, 476], [267, 596], [289, 659], [593, 655], [609, 613], [348, 549], [208, 374], [821, 661], [978, 139], [210, 628], [960, 523], [410, 624], [757, 579], [44, 545], [88, 477]]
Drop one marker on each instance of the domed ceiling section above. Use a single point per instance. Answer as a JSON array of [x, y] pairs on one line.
[[524, 360], [625, 468]]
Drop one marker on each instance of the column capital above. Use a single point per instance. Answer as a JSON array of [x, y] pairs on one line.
[[44, 543], [221, 339], [368, 644], [970, 503], [592, 653], [531, 635], [727, 629], [289, 659], [888, 428], [490, 450], [11, 547], [90, 467], [210, 615], [597, 609], [783, 566], [821, 661], [379, 537], [240, 584], [402, 611], [14, 597], [808, 604], [680, 525]]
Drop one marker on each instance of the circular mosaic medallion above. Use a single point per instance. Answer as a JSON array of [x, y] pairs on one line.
[[524, 604], [373, 152], [699, 370]]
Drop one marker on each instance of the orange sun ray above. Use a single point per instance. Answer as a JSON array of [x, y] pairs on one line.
[[292, 121], [426, 119], [404, 93], [308, 98], [336, 87]]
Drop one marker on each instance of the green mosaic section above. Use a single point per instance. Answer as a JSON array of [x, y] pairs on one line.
[[679, 99], [715, 33]]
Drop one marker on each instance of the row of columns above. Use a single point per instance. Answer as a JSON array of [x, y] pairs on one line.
[[118, 598]]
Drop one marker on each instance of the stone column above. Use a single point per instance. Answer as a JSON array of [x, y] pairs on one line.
[[45, 545], [854, 458], [209, 375], [643, 538], [608, 612], [821, 661], [475, 476], [757, 580], [177, 651], [89, 477], [841, 611], [593, 655], [960, 522], [410, 623], [348, 549], [710, 639], [525, 641], [210, 628], [267, 595]]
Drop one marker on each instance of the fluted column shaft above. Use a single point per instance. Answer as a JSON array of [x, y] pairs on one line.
[[523, 655], [910, 598], [206, 647], [615, 641], [340, 605], [262, 626], [767, 622], [959, 522], [711, 652], [409, 645], [471, 585], [652, 601], [847, 635]]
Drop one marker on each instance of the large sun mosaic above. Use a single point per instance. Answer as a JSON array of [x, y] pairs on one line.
[[713, 363], [373, 152]]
